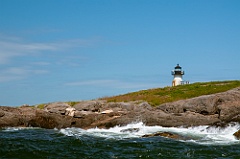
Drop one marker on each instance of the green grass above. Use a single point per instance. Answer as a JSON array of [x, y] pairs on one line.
[[169, 94], [72, 103], [41, 106]]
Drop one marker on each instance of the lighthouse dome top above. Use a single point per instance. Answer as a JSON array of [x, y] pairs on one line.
[[178, 67]]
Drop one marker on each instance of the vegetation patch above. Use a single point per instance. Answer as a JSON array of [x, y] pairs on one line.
[[41, 106], [72, 103], [169, 94]]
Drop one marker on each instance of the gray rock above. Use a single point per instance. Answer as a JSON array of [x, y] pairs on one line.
[[78, 114], [48, 120], [145, 105], [2, 114], [164, 134], [93, 106], [82, 114], [225, 106], [58, 108], [215, 109]]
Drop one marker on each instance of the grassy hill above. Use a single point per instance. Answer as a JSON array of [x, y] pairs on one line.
[[169, 94]]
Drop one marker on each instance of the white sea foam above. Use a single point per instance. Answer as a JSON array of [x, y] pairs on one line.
[[198, 134], [11, 129]]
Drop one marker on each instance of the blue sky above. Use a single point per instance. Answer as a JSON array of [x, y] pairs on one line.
[[67, 50]]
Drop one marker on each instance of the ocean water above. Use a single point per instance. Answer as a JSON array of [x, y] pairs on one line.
[[198, 142]]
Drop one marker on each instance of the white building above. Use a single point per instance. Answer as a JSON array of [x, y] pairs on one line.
[[177, 74]]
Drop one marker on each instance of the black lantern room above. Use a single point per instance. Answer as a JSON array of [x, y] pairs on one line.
[[178, 70]]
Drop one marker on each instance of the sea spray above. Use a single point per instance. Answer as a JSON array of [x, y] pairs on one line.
[[199, 134]]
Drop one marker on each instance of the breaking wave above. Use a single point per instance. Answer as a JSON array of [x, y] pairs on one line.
[[199, 134], [119, 142]]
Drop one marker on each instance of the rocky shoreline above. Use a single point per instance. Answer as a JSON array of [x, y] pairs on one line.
[[216, 109]]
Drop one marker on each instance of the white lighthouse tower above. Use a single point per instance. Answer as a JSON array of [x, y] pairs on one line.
[[177, 74]]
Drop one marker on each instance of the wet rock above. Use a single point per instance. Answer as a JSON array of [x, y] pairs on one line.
[[163, 134], [131, 130], [237, 134]]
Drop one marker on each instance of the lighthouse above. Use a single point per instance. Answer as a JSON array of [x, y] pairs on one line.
[[177, 74]]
